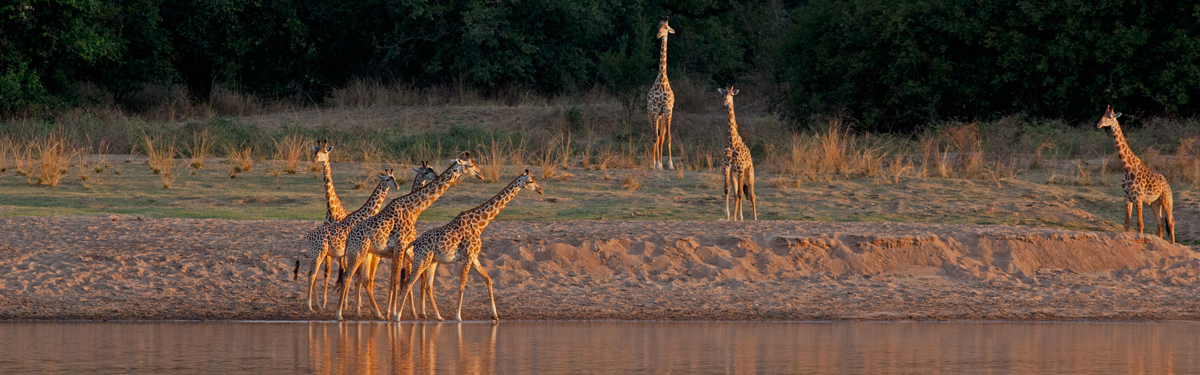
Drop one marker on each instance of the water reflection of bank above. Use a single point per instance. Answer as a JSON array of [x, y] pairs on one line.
[[598, 347]]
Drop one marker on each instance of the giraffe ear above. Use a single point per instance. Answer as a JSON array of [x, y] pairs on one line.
[[721, 90], [735, 91], [1115, 115], [329, 148]]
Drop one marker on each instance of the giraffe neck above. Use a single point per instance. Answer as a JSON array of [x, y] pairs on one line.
[[417, 182], [734, 138], [424, 196], [334, 211], [479, 217], [662, 62], [1131, 161], [372, 207]]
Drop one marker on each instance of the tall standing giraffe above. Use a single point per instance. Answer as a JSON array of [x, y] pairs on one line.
[[737, 165], [459, 240], [333, 214], [370, 238], [1141, 185], [334, 211], [660, 102], [328, 241]]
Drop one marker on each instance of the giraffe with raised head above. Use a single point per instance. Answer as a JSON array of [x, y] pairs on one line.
[[737, 165], [458, 241], [371, 238], [327, 242], [333, 214], [660, 103], [1141, 185]]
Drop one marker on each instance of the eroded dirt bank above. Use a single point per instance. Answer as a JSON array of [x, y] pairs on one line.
[[118, 268]]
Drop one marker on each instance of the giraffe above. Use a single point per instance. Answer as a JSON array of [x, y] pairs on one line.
[[459, 240], [333, 214], [1141, 185], [660, 102], [737, 165], [371, 237], [327, 242], [334, 211]]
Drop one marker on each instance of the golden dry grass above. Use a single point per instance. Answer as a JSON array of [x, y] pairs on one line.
[[242, 159], [290, 150], [200, 149], [54, 154]]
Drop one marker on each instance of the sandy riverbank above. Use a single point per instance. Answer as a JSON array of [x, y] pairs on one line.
[[122, 268]]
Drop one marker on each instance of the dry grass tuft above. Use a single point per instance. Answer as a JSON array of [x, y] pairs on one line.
[[1038, 159], [160, 153], [631, 182], [6, 149], [54, 154], [492, 157], [242, 159], [200, 149], [290, 150]]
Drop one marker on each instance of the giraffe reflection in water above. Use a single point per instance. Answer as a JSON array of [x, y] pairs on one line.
[[408, 348]]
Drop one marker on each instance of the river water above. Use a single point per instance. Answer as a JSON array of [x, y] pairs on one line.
[[606, 347]]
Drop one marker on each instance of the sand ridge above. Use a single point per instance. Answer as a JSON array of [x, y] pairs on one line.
[[123, 268]]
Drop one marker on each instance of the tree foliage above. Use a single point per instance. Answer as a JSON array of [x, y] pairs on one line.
[[890, 64]]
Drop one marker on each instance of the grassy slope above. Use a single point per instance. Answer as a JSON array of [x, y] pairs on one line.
[[584, 195]]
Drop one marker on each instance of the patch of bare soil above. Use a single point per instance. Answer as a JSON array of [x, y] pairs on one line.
[[117, 268]]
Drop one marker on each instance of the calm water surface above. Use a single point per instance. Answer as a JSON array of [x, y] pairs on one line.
[[599, 347]]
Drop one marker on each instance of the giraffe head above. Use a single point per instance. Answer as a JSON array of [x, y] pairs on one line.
[[1109, 118], [321, 151], [729, 93], [663, 29], [424, 174], [388, 179], [466, 166], [526, 181]]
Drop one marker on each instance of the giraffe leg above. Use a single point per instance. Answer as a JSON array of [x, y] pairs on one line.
[[656, 150], [1140, 223], [727, 182], [371, 287], [400, 264], [1128, 213], [1156, 211], [328, 271], [462, 288], [667, 121], [429, 274], [737, 198], [486, 280], [1168, 216], [748, 192], [312, 279], [346, 283], [418, 265]]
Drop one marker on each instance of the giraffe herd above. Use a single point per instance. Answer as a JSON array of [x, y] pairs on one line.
[[358, 241]]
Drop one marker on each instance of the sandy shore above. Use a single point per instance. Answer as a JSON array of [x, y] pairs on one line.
[[124, 268]]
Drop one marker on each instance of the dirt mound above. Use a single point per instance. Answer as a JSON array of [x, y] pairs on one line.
[[766, 251]]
